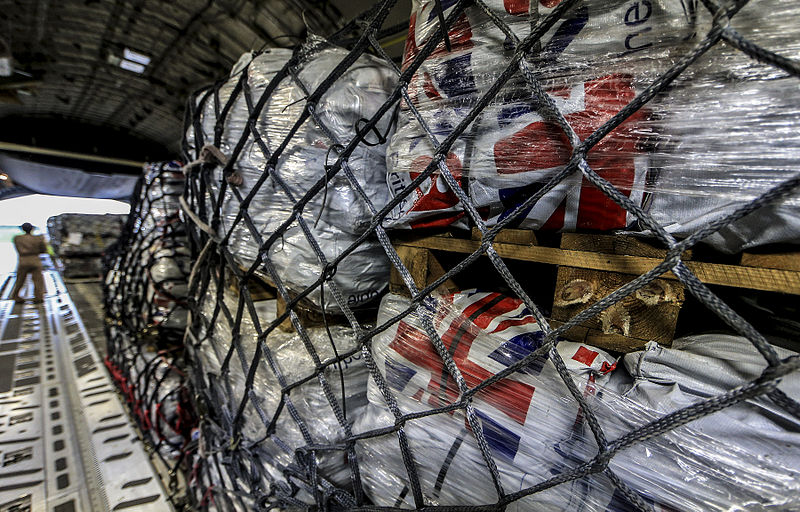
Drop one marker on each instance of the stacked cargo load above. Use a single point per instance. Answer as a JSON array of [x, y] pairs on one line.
[[146, 307], [80, 240], [309, 166], [718, 137], [335, 217]]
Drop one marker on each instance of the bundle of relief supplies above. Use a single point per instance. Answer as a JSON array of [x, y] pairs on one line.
[[723, 133], [336, 216], [145, 300], [275, 429], [156, 391], [535, 430], [81, 239], [291, 423], [147, 283], [164, 245]]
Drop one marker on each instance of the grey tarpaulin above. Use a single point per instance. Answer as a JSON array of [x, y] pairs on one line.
[[65, 181]]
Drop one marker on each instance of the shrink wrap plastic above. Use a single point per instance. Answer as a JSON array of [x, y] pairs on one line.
[[724, 133], [163, 186], [167, 287], [532, 425], [80, 234], [336, 216], [165, 256], [702, 366], [80, 240], [305, 408]]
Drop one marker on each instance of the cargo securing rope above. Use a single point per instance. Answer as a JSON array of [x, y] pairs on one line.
[[430, 405]]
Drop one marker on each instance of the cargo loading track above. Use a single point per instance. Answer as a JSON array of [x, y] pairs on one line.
[[66, 441]]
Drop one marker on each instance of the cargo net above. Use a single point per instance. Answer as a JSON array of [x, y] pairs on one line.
[[306, 163], [145, 290]]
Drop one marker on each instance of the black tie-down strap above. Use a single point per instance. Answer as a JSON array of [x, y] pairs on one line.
[[422, 407]]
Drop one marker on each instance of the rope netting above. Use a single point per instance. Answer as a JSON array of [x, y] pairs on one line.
[[306, 162], [145, 302]]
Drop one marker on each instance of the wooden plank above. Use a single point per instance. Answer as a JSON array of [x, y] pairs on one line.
[[650, 313], [424, 269], [781, 260], [614, 342], [774, 280], [615, 244], [260, 288], [416, 261], [510, 236], [307, 316]]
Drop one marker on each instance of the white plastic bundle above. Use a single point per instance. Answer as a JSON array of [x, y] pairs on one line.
[[163, 185], [82, 234], [720, 136], [532, 425], [167, 270], [306, 407], [165, 258], [591, 63], [702, 366], [336, 216], [727, 132]]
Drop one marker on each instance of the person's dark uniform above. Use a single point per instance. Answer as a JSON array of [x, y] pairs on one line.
[[29, 247]]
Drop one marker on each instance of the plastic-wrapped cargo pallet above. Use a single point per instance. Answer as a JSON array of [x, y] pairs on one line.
[[80, 240], [535, 430], [151, 261], [271, 452], [336, 218], [553, 114], [718, 137], [145, 301]]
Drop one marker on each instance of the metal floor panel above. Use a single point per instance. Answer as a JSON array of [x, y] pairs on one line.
[[66, 441]]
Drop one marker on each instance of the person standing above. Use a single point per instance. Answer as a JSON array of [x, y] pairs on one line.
[[29, 247]]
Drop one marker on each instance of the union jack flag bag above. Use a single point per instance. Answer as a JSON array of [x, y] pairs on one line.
[[532, 428], [591, 64]]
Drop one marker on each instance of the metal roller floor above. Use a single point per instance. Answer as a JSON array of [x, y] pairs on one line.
[[66, 441]]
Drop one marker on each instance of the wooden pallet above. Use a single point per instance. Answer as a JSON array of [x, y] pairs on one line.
[[260, 287], [592, 266]]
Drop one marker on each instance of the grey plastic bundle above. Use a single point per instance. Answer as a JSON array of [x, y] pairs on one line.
[[79, 234], [272, 454], [334, 218]]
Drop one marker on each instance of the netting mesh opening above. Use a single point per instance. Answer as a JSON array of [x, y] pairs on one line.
[[285, 189]]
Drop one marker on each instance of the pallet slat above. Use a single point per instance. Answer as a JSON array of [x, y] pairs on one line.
[[755, 278], [650, 313]]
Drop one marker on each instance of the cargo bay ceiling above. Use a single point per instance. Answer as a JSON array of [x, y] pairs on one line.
[[111, 77]]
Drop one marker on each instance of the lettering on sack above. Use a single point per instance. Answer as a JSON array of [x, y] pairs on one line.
[[350, 360], [359, 298], [396, 183], [638, 14]]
